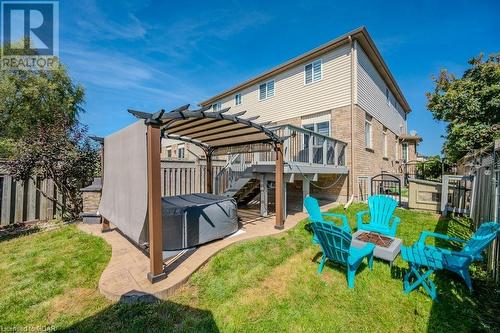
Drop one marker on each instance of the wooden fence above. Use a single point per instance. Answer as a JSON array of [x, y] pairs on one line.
[[23, 201], [485, 206], [186, 176]]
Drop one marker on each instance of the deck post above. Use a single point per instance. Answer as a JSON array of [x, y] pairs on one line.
[[209, 180], [305, 191], [279, 204], [263, 195], [155, 219]]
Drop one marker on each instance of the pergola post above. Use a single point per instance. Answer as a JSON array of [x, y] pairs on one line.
[[155, 220], [279, 204], [209, 177]]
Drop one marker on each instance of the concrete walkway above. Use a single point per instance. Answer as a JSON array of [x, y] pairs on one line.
[[125, 277]]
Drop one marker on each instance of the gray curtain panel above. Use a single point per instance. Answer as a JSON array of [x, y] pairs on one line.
[[125, 188]]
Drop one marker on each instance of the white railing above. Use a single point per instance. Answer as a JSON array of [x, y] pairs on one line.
[[301, 147]]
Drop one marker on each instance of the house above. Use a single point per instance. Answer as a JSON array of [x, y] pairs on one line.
[[341, 90]]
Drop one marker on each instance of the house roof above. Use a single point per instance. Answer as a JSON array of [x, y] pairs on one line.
[[360, 34], [409, 137]]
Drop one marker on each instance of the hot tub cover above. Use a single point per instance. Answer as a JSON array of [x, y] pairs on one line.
[[193, 219]]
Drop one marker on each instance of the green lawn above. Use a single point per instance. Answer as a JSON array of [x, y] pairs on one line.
[[265, 285]]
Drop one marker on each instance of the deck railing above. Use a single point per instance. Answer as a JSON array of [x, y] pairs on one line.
[[301, 146]]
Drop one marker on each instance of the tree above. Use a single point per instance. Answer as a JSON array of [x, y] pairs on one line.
[[62, 152], [431, 168], [33, 99], [470, 105], [40, 133]]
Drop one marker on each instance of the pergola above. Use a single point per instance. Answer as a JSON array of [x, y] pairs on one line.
[[215, 132]]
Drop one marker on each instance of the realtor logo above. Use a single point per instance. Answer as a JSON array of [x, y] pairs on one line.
[[30, 35]]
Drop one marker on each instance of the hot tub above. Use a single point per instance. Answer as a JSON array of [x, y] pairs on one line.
[[194, 219]]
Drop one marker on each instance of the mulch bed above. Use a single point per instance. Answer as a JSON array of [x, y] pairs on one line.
[[24, 228]]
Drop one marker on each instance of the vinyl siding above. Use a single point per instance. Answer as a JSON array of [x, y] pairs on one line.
[[371, 95], [292, 98]]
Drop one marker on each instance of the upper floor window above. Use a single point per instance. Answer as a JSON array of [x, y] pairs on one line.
[[368, 132], [237, 99], [313, 72], [387, 96], [217, 106], [169, 152], [266, 90]]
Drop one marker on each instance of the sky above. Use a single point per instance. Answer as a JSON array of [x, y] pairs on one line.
[[151, 55]]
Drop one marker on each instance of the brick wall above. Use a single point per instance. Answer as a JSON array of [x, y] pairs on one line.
[[372, 161], [91, 201]]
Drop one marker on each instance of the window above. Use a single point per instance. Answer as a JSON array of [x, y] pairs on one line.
[[368, 132], [384, 137], [387, 96], [320, 128], [169, 152], [313, 72], [181, 152], [396, 150], [405, 151], [237, 99], [266, 90], [217, 106]]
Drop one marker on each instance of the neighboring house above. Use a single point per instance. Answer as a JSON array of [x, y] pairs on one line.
[[342, 89]]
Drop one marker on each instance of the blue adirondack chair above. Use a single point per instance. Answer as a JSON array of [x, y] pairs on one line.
[[381, 210], [459, 261], [315, 215], [336, 246]]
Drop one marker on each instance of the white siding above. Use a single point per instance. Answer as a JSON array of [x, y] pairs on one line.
[[371, 96], [292, 98]]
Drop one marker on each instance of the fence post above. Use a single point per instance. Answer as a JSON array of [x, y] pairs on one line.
[[444, 195]]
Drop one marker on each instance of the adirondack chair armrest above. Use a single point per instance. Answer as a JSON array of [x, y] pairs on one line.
[[395, 223], [345, 224], [359, 217], [426, 234]]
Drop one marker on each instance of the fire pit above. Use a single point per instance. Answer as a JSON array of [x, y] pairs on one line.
[[373, 237], [386, 247]]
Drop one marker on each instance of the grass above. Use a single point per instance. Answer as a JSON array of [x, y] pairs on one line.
[[264, 285]]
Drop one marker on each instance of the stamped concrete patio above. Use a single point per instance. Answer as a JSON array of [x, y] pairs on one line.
[[125, 277]]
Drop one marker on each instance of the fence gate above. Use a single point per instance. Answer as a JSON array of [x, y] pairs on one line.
[[456, 194], [386, 184]]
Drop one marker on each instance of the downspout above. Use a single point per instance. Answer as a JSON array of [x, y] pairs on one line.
[[351, 173]]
